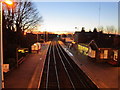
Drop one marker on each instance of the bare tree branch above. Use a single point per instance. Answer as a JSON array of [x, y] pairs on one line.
[[24, 16]]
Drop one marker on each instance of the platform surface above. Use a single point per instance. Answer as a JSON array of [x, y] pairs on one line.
[[103, 75], [28, 74]]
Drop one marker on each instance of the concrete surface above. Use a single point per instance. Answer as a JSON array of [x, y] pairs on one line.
[[103, 75], [28, 74]]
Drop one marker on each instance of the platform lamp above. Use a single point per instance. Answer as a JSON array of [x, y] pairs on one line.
[[10, 3]]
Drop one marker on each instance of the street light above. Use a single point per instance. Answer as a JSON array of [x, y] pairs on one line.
[[8, 2]]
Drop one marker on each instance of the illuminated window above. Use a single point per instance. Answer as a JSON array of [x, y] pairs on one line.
[[115, 55], [105, 54], [93, 54]]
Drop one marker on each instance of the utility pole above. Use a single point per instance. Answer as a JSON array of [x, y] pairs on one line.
[[8, 2], [1, 50], [99, 14]]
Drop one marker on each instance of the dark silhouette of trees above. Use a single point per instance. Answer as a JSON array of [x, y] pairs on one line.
[[90, 30], [95, 30], [16, 19], [83, 29], [21, 16], [110, 29]]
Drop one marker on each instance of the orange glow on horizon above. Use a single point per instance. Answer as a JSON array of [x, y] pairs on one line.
[[50, 32], [63, 33]]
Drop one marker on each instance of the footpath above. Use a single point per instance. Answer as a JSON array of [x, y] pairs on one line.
[[28, 74], [102, 74]]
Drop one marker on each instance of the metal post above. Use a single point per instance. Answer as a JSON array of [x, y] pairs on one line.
[[1, 49], [99, 14], [44, 36]]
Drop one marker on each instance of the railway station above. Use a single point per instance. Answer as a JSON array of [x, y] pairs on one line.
[[56, 60], [59, 45]]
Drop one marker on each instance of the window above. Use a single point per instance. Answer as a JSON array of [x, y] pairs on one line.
[[93, 54], [115, 55], [105, 54]]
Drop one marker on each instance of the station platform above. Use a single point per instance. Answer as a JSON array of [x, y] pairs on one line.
[[102, 74], [28, 74]]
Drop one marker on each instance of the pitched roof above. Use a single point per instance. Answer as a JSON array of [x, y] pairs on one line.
[[102, 40], [104, 43]]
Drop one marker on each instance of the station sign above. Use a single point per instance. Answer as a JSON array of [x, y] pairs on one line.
[[5, 67]]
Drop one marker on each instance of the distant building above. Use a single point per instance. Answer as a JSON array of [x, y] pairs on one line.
[[99, 46]]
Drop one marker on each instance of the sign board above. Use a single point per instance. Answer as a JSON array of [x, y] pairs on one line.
[[5, 67]]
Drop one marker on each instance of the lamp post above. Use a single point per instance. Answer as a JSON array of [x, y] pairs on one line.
[[8, 2]]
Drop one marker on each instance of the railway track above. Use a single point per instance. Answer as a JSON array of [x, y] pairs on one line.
[[60, 71]]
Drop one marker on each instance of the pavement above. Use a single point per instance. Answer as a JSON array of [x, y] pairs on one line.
[[28, 74], [102, 74]]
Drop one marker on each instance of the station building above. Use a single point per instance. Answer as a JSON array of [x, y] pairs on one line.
[[99, 46]]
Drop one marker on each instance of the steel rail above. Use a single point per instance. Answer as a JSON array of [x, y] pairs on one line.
[[48, 67], [60, 71], [86, 85], [56, 68], [70, 65], [65, 68]]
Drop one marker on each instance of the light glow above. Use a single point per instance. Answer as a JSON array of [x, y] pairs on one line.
[[73, 42], [83, 49], [9, 2]]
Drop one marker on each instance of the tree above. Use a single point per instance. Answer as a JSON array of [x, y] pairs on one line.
[[16, 19], [95, 30], [83, 29], [110, 29], [28, 17], [22, 16], [100, 28]]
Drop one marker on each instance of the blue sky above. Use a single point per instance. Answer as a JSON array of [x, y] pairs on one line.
[[65, 16]]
